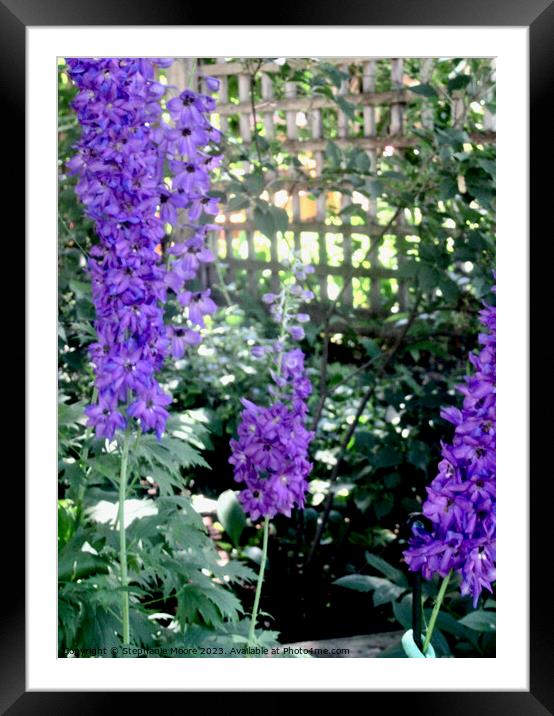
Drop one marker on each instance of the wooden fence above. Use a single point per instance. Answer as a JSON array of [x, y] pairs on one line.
[[385, 123]]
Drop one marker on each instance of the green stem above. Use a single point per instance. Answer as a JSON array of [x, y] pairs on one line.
[[83, 461], [435, 612], [122, 538], [252, 630], [221, 284], [190, 75], [283, 331]]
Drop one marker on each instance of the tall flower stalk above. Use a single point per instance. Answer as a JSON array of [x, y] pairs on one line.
[[460, 508], [435, 613], [259, 584], [123, 540], [143, 166], [270, 456]]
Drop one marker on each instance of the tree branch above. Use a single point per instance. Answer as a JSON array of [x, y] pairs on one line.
[[387, 357], [253, 73], [323, 390]]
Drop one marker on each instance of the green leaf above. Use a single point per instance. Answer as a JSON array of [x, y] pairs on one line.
[[280, 218], [489, 165], [255, 183], [480, 620], [264, 221], [419, 454], [358, 582], [453, 137], [67, 520], [107, 465], [384, 590], [393, 175], [383, 506], [363, 164], [447, 623], [428, 276], [236, 571], [387, 457], [253, 553], [81, 289], [345, 106], [333, 154], [181, 523], [238, 202], [336, 76], [75, 476], [392, 480], [403, 611], [365, 441], [390, 572], [231, 515], [375, 188], [70, 414], [75, 564], [68, 621], [449, 288], [387, 592], [99, 627], [439, 642], [448, 188], [211, 603], [142, 628], [408, 269], [424, 89], [165, 458], [371, 347], [458, 83]]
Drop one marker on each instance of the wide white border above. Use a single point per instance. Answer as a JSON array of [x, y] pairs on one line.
[[509, 671]]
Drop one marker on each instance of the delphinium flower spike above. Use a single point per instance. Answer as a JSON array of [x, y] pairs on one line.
[[125, 152], [134, 181], [270, 456], [460, 508]]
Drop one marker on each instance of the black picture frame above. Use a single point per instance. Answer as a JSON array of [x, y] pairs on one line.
[[538, 16]]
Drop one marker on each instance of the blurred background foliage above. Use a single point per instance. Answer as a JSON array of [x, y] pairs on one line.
[[379, 377]]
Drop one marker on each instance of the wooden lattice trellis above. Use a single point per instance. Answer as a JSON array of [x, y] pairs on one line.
[[313, 227]]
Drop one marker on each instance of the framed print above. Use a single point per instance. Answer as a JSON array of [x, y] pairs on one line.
[[274, 256]]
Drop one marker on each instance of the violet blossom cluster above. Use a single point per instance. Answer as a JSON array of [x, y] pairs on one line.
[[123, 155], [270, 456], [461, 501]]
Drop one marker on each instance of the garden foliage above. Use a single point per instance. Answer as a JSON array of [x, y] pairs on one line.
[[378, 385]]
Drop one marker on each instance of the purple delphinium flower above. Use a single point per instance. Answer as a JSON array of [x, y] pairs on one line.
[[461, 500], [270, 456], [120, 162], [184, 145]]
